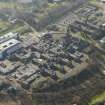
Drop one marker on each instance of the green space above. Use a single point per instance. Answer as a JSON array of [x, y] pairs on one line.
[[10, 5], [6, 27], [97, 99]]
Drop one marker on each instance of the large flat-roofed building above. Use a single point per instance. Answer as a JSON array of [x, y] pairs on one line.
[[8, 47], [8, 36]]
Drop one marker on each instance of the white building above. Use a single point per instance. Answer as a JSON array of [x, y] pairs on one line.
[[9, 47], [8, 36]]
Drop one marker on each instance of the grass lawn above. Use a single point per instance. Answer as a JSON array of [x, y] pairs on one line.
[[6, 28], [10, 5], [98, 98], [92, 1], [6, 5]]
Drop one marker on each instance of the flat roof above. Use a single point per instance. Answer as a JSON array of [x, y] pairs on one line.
[[7, 37], [8, 44]]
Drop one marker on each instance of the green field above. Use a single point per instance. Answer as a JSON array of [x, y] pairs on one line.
[[97, 99], [9, 5]]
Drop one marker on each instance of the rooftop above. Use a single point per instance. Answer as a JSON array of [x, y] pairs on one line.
[[8, 44], [7, 37]]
